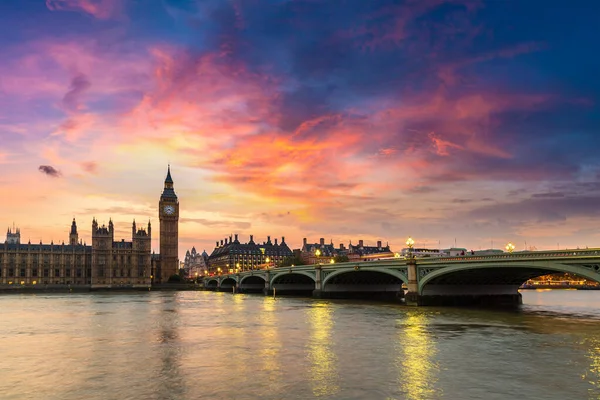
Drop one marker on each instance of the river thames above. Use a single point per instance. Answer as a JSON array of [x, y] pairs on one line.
[[191, 345]]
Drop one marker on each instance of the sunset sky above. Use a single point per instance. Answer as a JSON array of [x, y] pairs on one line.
[[344, 119]]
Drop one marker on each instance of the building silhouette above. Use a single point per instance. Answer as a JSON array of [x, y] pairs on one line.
[[106, 263]]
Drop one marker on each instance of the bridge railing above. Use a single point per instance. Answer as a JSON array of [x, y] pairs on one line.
[[569, 253], [516, 256]]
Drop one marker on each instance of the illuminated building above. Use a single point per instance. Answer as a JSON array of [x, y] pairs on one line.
[[230, 254], [102, 264]]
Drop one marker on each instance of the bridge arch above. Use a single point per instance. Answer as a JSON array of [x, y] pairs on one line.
[[392, 272], [213, 283], [228, 282], [281, 274], [251, 277], [508, 273]]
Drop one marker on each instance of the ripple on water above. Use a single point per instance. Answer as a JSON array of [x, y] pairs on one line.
[[191, 345]]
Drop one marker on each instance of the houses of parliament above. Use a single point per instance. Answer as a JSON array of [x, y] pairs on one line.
[[105, 263]]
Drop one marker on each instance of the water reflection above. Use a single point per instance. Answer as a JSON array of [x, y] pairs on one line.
[[593, 376], [269, 339], [323, 369], [417, 372], [171, 384]]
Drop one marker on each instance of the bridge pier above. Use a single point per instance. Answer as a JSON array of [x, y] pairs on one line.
[[267, 289], [412, 297]]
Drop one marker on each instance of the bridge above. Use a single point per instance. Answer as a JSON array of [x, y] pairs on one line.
[[461, 280]]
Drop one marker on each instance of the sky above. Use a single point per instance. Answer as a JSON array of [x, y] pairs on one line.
[[461, 122]]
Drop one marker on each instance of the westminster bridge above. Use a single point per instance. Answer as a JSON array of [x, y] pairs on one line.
[[460, 280]]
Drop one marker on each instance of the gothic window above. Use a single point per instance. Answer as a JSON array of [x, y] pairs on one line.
[[79, 272], [46, 272], [34, 272], [68, 272], [57, 272], [11, 272], [22, 272]]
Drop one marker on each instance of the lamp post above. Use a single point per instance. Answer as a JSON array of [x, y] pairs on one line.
[[510, 247], [268, 260], [410, 243], [318, 254]]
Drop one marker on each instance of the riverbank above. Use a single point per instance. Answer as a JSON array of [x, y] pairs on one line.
[[15, 289], [559, 287]]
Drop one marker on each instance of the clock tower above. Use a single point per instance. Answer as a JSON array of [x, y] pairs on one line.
[[168, 215]]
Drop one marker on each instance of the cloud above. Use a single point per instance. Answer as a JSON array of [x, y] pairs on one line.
[[101, 9], [72, 99], [50, 171], [218, 224], [89, 166]]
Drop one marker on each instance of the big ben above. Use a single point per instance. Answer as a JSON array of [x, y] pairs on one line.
[[168, 214]]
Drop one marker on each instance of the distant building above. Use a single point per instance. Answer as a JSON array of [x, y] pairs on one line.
[[327, 252], [120, 262], [367, 253], [229, 255], [104, 263], [195, 263]]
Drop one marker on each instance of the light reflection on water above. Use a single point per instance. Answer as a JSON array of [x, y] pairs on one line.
[[417, 372], [323, 372], [191, 345]]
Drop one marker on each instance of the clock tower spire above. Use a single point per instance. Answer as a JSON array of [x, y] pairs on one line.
[[168, 215]]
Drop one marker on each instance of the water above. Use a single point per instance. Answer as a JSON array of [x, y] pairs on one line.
[[191, 345]]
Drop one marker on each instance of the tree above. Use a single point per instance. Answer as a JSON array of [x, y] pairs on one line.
[[341, 258], [175, 278], [291, 260]]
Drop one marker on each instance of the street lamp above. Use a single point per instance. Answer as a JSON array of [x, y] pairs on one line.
[[318, 254], [267, 260], [510, 247], [332, 261], [410, 243]]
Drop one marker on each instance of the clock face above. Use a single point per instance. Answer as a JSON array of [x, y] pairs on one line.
[[169, 210]]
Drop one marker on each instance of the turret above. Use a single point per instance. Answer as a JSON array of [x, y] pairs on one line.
[[73, 236], [111, 227], [149, 229], [133, 229]]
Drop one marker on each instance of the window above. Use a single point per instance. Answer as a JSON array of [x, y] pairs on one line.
[[34, 272], [22, 272], [46, 272], [68, 272], [79, 272], [57, 272], [11, 272]]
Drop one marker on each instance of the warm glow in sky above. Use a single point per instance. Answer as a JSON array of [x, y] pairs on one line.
[[342, 119]]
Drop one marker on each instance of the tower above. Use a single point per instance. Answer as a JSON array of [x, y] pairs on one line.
[[168, 215], [73, 236]]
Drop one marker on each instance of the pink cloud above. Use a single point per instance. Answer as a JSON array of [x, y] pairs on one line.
[[101, 9]]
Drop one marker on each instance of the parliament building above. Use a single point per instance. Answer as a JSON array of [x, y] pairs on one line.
[[106, 263]]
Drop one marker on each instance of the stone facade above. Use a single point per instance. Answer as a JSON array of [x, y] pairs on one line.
[[121, 262], [230, 255], [104, 263], [195, 263]]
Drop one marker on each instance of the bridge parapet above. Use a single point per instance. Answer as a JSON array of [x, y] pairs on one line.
[[462, 277]]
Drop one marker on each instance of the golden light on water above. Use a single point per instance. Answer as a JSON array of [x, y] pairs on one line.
[[323, 370], [417, 371], [593, 376], [271, 348]]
